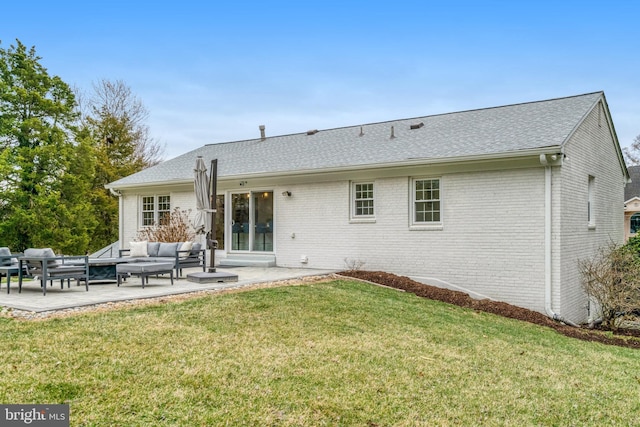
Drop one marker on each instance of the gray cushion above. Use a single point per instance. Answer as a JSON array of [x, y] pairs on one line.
[[5, 252], [42, 253], [150, 259], [196, 248], [144, 267], [152, 248], [168, 249], [164, 259], [67, 270]]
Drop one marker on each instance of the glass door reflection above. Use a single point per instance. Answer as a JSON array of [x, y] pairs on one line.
[[240, 221], [263, 221]]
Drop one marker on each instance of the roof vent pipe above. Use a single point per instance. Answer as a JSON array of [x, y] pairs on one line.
[[262, 134], [393, 134], [361, 132]]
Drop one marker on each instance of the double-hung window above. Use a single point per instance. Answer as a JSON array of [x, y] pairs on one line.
[[362, 200], [154, 209], [426, 203]]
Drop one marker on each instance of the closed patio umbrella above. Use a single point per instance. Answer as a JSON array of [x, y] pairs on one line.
[[202, 222]]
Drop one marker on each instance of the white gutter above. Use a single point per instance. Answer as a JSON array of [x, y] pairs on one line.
[[412, 161], [548, 249]]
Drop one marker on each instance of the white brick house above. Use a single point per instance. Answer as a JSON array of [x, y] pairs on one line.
[[501, 202]]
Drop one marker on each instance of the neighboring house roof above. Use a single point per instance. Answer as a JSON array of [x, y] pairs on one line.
[[505, 131], [632, 188]]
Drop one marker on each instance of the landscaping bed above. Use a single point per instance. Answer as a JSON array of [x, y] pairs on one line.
[[623, 337]]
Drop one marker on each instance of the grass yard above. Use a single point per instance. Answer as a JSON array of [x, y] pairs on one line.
[[332, 353]]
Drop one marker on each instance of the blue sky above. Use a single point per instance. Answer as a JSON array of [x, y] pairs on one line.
[[211, 71]]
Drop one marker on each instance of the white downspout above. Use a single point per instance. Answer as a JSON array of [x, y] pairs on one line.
[[120, 215], [548, 283]]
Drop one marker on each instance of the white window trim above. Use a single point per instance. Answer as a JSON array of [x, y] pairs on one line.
[[352, 201], [424, 226], [156, 212]]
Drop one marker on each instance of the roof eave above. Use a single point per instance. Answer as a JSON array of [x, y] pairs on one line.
[[554, 149]]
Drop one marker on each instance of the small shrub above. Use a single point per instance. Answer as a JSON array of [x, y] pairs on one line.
[[353, 264], [612, 279], [634, 244], [174, 227]]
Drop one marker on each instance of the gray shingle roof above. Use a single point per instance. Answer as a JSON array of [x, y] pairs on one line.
[[486, 132], [632, 189]]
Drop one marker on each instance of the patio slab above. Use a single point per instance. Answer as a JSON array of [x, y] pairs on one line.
[[32, 299]]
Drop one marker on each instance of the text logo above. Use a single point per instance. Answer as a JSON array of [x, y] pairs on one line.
[[34, 415]]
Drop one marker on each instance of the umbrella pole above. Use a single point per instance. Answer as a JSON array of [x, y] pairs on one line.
[[213, 190]]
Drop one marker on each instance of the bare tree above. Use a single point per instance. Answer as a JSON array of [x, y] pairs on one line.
[[632, 154], [123, 118]]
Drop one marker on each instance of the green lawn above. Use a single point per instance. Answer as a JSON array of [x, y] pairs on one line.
[[335, 353]]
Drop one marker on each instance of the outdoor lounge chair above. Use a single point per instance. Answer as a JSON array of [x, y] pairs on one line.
[[8, 265], [44, 264]]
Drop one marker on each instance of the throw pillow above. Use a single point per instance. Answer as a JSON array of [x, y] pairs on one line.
[[186, 246], [138, 249]]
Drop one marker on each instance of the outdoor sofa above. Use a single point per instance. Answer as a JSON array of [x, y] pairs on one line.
[[180, 254]]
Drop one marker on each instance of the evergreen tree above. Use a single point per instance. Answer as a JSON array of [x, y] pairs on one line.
[[45, 174]]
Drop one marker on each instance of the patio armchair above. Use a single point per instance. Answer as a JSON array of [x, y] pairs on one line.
[[8, 265], [47, 267]]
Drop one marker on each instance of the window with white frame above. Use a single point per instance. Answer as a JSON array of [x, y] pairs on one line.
[[591, 220], [363, 201], [634, 226], [154, 208], [426, 207]]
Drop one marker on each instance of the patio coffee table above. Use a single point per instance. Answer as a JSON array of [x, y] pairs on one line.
[[103, 269], [144, 270]]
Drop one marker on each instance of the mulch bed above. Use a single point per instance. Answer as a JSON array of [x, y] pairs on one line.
[[622, 338]]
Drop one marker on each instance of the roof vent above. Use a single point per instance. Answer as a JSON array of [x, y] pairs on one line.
[[416, 126], [262, 134], [312, 132], [361, 132], [393, 133]]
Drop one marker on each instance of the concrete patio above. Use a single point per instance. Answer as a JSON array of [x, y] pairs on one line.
[[32, 299]]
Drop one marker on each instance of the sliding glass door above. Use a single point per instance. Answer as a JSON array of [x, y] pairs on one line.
[[252, 221], [240, 215], [263, 221]]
